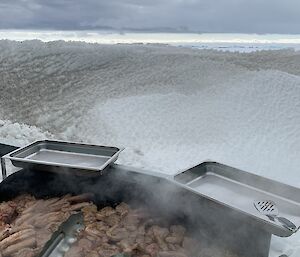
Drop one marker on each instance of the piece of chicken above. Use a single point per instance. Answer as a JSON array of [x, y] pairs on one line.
[[28, 243], [177, 234], [43, 237], [122, 209], [116, 233], [92, 254], [4, 231], [128, 245], [16, 238], [105, 212], [152, 249], [89, 214], [85, 244], [8, 211], [26, 252], [160, 234], [77, 206], [86, 197], [108, 252], [24, 201]]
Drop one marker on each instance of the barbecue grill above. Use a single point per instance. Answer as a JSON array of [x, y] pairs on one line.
[[223, 207]]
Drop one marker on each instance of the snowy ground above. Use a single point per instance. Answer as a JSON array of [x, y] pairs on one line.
[[170, 107]]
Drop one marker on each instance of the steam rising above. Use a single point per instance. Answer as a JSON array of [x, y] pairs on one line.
[[218, 229]]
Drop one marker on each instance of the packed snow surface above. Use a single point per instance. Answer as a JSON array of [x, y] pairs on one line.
[[171, 107]]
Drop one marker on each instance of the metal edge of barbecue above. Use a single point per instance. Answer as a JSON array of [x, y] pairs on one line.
[[190, 177], [64, 237], [186, 179]]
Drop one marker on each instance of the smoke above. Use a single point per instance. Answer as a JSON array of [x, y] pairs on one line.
[[217, 228]]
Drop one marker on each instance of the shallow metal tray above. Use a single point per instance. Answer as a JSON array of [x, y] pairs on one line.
[[239, 190], [67, 155]]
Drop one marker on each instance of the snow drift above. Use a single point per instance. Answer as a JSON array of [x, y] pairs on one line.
[[170, 107]]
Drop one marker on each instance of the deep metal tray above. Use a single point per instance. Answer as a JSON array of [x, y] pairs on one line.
[[66, 155], [239, 190]]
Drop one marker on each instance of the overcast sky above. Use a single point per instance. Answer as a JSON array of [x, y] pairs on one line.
[[232, 16]]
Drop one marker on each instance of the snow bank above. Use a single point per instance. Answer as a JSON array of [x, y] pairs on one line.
[[20, 134], [170, 107], [240, 124]]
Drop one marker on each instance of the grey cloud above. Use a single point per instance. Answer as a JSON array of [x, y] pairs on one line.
[[245, 16]]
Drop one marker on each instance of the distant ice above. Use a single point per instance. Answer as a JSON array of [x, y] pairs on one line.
[[170, 107], [240, 47], [219, 41]]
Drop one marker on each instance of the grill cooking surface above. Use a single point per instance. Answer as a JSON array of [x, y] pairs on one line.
[[108, 192], [26, 225], [187, 202]]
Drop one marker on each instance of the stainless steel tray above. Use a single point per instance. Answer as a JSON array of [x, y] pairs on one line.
[[239, 190], [66, 155]]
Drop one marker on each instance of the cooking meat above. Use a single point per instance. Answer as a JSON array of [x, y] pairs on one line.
[[16, 229], [78, 206], [7, 212], [26, 252], [128, 245], [89, 214], [108, 250], [160, 235], [116, 233], [152, 249], [24, 201], [17, 237], [26, 224], [110, 231], [12, 249], [177, 235], [92, 254], [4, 231], [123, 209], [85, 244], [80, 198]]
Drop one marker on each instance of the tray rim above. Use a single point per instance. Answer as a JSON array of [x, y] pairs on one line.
[[109, 161]]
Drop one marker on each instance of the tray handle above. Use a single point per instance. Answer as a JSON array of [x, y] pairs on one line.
[[5, 150], [193, 173]]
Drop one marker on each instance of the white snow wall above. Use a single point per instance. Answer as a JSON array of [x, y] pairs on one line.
[[170, 107]]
